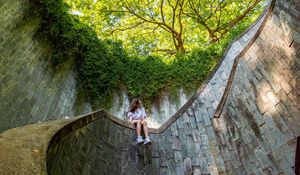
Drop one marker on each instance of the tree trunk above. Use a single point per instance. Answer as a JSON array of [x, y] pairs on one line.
[[180, 45]]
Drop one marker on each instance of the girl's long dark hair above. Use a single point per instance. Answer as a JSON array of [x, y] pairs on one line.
[[135, 103]]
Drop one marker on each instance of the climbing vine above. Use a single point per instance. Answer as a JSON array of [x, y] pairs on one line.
[[104, 66]]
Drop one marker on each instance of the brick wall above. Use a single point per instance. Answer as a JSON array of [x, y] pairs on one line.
[[255, 134], [261, 119], [30, 90]]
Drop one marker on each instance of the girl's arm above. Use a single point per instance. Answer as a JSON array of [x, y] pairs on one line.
[[130, 118], [144, 113]]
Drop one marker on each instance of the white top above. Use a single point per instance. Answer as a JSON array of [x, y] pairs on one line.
[[138, 114]]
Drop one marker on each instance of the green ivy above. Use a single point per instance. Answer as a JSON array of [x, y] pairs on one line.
[[104, 66]]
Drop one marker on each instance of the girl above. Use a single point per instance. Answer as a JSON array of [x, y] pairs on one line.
[[137, 117]]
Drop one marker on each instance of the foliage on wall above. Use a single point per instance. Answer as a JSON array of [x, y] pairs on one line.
[[104, 66]]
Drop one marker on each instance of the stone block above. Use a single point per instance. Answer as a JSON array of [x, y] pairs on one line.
[[258, 171], [196, 135], [155, 168], [235, 159], [288, 151], [229, 167], [204, 139], [275, 20], [163, 170], [205, 117], [197, 172], [163, 159], [213, 170], [195, 161], [293, 96], [186, 119], [190, 142], [295, 36], [272, 97], [174, 130], [193, 122], [285, 166], [295, 83], [211, 132], [171, 167], [187, 166], [179, 123], [220, 164], [199, 116], [179, 170], [267, 141], [176, 143], [170, 154], [204, 166], [178, 158], [266, 163], [191, 111]]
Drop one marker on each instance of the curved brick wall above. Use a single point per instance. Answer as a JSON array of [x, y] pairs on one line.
[[255, 133], [258, 127], [31, 91]]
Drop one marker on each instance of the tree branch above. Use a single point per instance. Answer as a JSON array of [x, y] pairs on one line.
[[168, 51], [127, 28], [162, 11], [232, 23]]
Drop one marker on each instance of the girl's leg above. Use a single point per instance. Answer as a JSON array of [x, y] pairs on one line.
[[138, 127], [138, 131], [145, 127]]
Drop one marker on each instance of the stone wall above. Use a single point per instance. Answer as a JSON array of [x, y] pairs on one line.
[[101, 147], [30, 90], [258, 128], [157, 114], [209, 92], [255, 134]]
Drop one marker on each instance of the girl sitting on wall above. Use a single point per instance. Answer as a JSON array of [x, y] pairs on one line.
[[137, 117]]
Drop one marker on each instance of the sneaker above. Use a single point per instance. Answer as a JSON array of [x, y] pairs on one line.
[[147, 141], [139, 140]]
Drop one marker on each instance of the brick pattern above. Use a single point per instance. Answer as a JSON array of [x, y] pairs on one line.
[[103, 147], [30, 90], [256, 133], [262, 113], [211, 94]]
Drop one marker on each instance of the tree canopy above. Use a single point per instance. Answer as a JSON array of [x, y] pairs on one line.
[[165, 26], [127, 44]]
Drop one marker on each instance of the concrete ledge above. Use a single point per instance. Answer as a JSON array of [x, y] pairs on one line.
[[26, 147], [23, 149]]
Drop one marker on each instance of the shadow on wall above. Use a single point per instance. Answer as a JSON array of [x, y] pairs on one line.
[[261, 118], [30, 89]]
